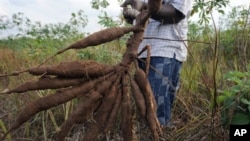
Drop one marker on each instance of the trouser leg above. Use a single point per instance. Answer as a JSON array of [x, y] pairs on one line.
[[164, 79]]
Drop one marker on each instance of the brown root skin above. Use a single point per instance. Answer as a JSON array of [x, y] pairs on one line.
[[85, 109], [139, 98], [142, 18], [133, 43], [103, 77], [144, 85], [102, 114], [53, 100], [73, 69], [46, 83], [151, 118], [98, 38], [67, 69], [126, 123], [147, 62], [65, 72], [111, 97], [114, 112], [15, 73], [47, 102], [82, 112]]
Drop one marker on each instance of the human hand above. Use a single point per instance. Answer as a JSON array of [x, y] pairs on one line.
[[135, 4], [130, 14]]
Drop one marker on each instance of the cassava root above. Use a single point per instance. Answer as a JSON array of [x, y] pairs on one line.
[[105, 89], [102, 113], [85, 109], [126, 123], [73, 69], [151, 118]]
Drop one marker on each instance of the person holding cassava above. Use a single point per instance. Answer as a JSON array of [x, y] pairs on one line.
[[166, 33]]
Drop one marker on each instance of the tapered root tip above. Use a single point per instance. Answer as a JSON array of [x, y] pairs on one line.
[[6, 91], [4, 135], [63, 50], [14, 73]]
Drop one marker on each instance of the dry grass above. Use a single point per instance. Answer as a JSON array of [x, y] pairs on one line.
[[191, 115]]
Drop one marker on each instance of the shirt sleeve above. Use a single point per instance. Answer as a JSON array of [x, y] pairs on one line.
[[183, 6]]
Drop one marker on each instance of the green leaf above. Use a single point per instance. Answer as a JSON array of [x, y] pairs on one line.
[[235, 74], [222, 98], [73, 14], [221, 11], [245, 101], [240, 119], [236, 89]]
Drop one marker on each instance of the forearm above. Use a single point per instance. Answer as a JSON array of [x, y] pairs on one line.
[[167, 14]]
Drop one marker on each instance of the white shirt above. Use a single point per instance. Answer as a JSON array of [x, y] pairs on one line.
[[169, 36]]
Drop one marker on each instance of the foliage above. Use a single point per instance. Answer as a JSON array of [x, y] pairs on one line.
[[236, 99], [191, 110], [104, 19], [107, 21], [23, 26], [234, 38], [233, 47], [205, 7], [41, 40], [96, 4]]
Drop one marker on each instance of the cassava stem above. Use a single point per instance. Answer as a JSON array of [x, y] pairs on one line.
[[147, 63]]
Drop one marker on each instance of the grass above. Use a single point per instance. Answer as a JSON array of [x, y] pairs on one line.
[[191, 114]]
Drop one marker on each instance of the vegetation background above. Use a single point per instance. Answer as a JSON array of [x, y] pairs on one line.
[[215, 84]]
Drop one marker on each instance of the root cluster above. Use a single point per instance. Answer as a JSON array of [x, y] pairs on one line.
[[106, 88]]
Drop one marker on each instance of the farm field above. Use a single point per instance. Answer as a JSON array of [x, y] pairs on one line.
[[214, 91]]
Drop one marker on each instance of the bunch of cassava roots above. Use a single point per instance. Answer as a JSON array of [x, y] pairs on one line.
[[107, 88]]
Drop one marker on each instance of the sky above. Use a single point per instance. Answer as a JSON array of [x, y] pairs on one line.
[[54, 11]]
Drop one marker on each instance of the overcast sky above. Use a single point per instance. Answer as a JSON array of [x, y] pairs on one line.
[[54, 11]]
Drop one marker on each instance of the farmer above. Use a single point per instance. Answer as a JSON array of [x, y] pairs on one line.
[[165, 33]]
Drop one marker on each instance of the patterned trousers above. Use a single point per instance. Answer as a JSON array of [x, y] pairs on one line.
[[164, 80]]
